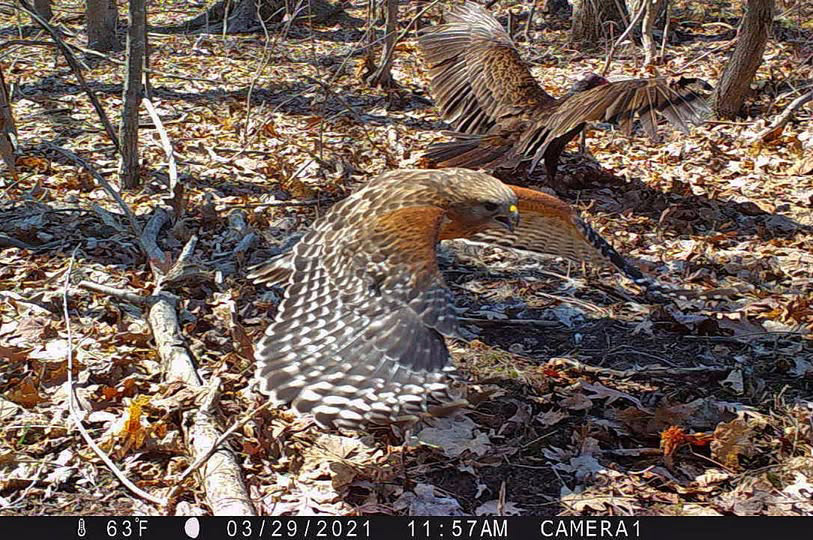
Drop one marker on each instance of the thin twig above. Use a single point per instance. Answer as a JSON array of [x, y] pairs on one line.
[[514, 322], [136, 228], [721, 48], [27, 43], [266, 57], [8, 241], [72, 400], [779, 123], [405, 31], [203, 458], [328, 90], [277, 204], [666, 27], [527, 32], [162, 133], [621, 38], [146, 70], [637, 371], [746, 337], [128, 296]]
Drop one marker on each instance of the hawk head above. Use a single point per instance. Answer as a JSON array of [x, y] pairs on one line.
[[587, 82], [479, 201]]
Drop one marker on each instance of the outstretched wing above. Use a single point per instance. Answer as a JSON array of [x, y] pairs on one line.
[[549, 226], [477, 75], [622, 102], [359, 335]]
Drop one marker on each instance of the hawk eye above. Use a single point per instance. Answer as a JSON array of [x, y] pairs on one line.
[[490, 206]]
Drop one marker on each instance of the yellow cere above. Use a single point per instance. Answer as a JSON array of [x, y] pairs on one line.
[[513, 208]]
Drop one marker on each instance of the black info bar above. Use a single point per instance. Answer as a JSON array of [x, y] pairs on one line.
[[405, 528]]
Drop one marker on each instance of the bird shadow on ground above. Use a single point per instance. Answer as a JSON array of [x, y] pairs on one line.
[[681, 212], [517, 358], [53, 230], [290, 98]]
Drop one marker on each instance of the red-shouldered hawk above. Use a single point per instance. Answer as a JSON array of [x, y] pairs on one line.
[[502, 116], [359, 336]]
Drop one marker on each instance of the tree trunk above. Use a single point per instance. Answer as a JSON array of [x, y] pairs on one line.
[[102, 17], [652, 10], [133, 93], [43, 9], [8, 131], [589, 19], [735, 82], [382, 75]]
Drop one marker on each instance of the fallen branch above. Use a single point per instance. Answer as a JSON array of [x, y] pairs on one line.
[[221, 477], [220, 480], [128, 296], [779, 123], [637, 371], [176, 360]]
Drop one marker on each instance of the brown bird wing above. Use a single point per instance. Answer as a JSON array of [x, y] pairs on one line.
[[477, 75], [550, 226], [359, 335], [621, 102]]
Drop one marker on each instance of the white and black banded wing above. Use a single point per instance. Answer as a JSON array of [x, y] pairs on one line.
[[359, 336]]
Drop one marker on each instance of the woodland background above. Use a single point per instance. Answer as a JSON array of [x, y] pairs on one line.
[[586, 399]]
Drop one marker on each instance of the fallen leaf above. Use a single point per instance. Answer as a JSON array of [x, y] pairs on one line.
[[424, 502], [25, 393], [731, 439], [454, 436]]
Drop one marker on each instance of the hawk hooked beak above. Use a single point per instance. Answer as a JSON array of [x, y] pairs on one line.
[[510, 219]]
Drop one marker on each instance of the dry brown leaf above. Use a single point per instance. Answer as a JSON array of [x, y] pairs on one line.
[[551, 417], [802, 167], [25, 393], [731, 439]]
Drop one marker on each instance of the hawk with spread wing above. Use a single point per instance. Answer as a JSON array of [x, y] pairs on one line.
[[502, 116], [360, 335]]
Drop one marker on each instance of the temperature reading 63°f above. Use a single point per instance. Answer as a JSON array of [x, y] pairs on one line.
[[126, 528]]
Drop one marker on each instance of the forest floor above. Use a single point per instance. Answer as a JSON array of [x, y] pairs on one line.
[[586, 399]]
